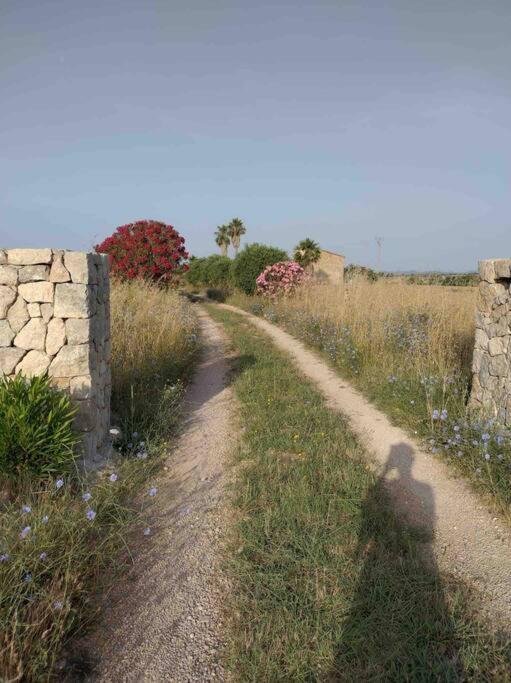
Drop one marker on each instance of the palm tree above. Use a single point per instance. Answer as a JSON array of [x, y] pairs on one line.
[[222, 238], [236, 230], [307, 252]]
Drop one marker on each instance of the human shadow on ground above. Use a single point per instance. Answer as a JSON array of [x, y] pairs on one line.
[[399, 626]]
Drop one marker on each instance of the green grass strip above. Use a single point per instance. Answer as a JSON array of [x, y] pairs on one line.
[[327, 584]]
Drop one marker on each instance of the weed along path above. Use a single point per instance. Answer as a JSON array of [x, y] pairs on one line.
[[467, 540], [165, 622]]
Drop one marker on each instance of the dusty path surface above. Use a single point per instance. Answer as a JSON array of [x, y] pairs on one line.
[[164, 624], [467, 539]]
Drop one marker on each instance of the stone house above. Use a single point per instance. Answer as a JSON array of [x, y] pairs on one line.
[[329, 268]]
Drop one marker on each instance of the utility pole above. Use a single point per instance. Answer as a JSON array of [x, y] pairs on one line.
[[379, 242]]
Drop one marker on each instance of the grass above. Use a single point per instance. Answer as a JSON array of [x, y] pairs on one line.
[[327, 583], [409, 349], [50, 572]]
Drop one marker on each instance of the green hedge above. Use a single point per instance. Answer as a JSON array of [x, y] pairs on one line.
[[251, 262]]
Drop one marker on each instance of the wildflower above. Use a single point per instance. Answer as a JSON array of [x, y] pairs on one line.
[[90, 514], [27, 578], [58, 605], [59, 484], [87, 496], [26, 509], [500, 456], [499, 439], [45, 519], [147, 531], [412, 403], [485, 438], [443, 415], [456, 428], [130, 445], [135, 435], [25, 532], [478, 470], [113, 477], [487, 456], [475, 442], [459, 454], [43, 556], [141, 455], [435, 415], [4, 557], [153, 491]]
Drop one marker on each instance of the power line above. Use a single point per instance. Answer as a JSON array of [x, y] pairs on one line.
[[379, 242]]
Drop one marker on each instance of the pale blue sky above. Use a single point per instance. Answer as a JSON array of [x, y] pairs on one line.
[[334, 120]]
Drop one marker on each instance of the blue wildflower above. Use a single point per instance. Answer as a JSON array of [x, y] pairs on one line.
[[59, 484], [25, 532], [90, 514], [43, 556], [87, 496], [153, 491], [435, 415], [4, 557], [113, 477], [26, 509]]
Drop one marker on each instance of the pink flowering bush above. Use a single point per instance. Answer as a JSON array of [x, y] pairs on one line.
[[280, 279]]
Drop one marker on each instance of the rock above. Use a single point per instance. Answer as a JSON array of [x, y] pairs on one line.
[[56, 336], [73, 301], [34, 310], [9, 358], [18, 315], [37, 292], [32, 336], [81, 387], [28, 257], [47, 312], [34, 363], [71, 361], [7, 297], [3, 256], [58, 272], [502, 268], [33, 273], [499, 366], [487, 271], [481, 339], [86, 417], [496, 346], [8, 275], [81, 267], [78, 330], [6, 333]]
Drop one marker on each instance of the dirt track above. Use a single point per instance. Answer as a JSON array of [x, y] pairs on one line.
[[467, 539], [164, 624]]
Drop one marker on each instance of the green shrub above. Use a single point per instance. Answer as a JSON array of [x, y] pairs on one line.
[[354, 271], [251, 262], [36, 434], [210, 271], [219, 295]]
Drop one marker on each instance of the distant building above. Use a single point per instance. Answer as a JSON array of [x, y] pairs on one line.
[[329, 268]]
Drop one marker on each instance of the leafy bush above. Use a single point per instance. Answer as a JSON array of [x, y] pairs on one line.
[[251, 262], [211, 271], [219, 295], [36, 434], [145, 250], [280, 279], [353, 271]]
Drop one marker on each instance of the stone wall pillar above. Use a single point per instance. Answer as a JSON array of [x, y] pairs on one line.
[[55, 318], [491, 386]]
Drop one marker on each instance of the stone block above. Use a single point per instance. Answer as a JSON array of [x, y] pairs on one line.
[[496, 346], [18, 314], [33, 273], [481, 340], [502, 268], [81, 387], [56, 336], [487, 271], [81, 267], [29, 257], [71, 361], [7, 298], [34, 310], [9, 358], [59, 272], [6, 333], [34, 363], [78, 330], [8, 275], [47, 312], [37, 292], [498, 366], [32, 336], [73, 301]]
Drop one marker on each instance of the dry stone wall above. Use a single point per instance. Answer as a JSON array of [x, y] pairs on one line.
[[491, 386], [55, 318]]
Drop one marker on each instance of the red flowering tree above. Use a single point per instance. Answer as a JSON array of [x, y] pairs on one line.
[[147, 250]]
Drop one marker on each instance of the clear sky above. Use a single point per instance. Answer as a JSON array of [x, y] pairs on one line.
[[335, 120]]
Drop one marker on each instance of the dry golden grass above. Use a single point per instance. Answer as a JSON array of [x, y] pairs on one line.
[[370, 309], [154, 344]]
